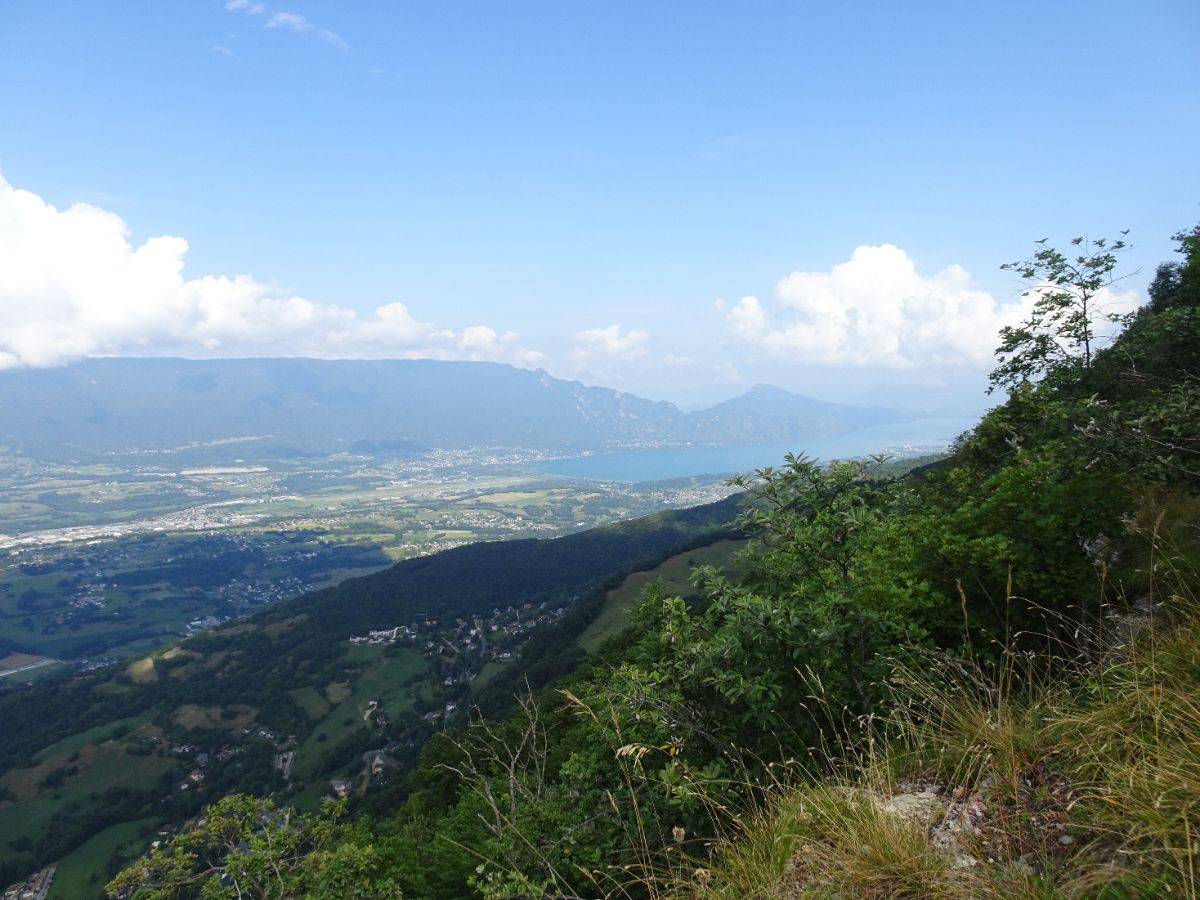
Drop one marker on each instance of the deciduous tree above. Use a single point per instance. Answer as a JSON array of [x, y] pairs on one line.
[[1060, 333]]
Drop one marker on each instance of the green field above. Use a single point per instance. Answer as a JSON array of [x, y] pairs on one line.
[[490, 670], [33, 674], [673, 574], [312, 701], [77, 876], [78, 741], [309, 798], [100, 767], [384, 679]]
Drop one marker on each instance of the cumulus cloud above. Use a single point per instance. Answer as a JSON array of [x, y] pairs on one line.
[[609, 342], [480, 337], [877, 309], [612, 342], [747, 318], [728, 372], [72, 285], [484, 342]]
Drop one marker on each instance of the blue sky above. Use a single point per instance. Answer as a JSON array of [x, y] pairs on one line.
[[599, 189]]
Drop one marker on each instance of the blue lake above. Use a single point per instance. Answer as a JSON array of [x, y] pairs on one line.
[[680, 462]]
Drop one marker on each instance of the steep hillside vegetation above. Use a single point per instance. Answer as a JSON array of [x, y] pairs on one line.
[[977, 680]]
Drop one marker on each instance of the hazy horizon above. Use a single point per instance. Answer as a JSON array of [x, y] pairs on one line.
[[719, 396]]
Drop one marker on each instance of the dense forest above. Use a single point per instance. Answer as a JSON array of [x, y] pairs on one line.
[[1010, 636]]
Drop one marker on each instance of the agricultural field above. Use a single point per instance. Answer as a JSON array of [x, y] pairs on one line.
[[99, 562], [388, 679], [84, 779], [78, 874]]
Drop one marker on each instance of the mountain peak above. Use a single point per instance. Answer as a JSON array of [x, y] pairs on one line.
[[763, 389]]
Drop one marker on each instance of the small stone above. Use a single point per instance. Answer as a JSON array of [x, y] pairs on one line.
[[1066, 840]]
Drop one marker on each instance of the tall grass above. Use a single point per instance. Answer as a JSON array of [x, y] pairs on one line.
[[1072, 772], [1131, 732]]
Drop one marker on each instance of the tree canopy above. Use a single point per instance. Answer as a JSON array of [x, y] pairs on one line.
[[1061, 330]]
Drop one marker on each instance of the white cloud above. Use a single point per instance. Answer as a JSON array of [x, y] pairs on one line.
[[728, 372], [331, 37], [747, 318], [245, 6], [877, 309], [527, 359], [72, 285], [289, 21], [610, 342], [483, 342], [479, 337]]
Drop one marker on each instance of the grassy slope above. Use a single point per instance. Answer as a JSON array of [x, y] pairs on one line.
[[91, 735], [73, 879], [674, 574], [101, 766], [384, 680]]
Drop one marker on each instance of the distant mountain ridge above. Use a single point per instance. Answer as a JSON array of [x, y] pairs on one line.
[[272, 407], [769, 414]]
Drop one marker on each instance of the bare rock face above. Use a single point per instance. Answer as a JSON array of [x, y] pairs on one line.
[[951, 817]]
